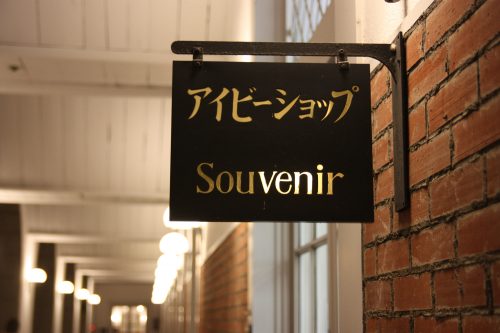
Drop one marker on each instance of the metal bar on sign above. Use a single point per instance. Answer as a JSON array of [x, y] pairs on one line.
[[400, 126]]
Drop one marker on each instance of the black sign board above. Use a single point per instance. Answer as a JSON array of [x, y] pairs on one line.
[[271, 142]]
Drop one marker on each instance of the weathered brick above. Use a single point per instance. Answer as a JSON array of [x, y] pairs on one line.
[[369, 261], [395, 325], [430, 158], [443, 17], [380, 151], [379, 85], [417, 124], [446, 288], [461, 287], [419, 206], [372, 325], [457, 189], [380, 226], [384, 185], [414, 50], [427, 75], [474, 34], [495, 282], [446, 182], [432, 245], [477, 131], [382, 117], [378, 295], [483, 324], [393, 255], [418, 212], [453, 98], [412, 292], [427, 325], [478, 232], [224, 285], [493, 172], [473, 283], [388, 325], [489, 67]]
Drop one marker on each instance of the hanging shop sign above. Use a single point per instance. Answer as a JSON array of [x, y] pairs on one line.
[[271, 142]]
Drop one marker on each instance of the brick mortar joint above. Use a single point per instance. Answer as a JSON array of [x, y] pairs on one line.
[[428, 313], [449, 75], [383, 132], [450, 218], [424, 99], [451, 30], [454, 166], [376, 104], [484, 260]]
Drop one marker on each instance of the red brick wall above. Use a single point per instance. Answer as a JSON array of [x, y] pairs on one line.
[[436, 267], [224, 286]]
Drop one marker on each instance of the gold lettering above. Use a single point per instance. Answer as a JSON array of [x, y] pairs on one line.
[[279, 180], [209, 180], [230, 184], [283, 181], [331, 177], [320, 178], [250, 183], [297, 182], [266, 185]]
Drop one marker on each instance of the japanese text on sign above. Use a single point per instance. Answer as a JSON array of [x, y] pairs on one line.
[[307, 108]]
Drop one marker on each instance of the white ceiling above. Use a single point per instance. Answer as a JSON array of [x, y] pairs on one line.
[[85, 118]]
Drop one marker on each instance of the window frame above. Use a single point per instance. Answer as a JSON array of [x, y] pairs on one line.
[[311, 247]]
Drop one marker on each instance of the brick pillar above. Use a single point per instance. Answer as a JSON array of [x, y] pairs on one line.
[[68, 300], [44, 293], [435, 267], [224, 286], [10, 263]]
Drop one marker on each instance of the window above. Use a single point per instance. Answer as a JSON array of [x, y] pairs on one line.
[[302, 18], [311, 277]]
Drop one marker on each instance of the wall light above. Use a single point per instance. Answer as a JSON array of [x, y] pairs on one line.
[[183, 225], [82, 294], [65, 287], [116, 316], [158, 298], [174, 243], [167, 260], [140, 308], [94, 299], [36, 275]]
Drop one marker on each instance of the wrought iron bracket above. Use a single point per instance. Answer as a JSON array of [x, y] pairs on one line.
[[197, 56], [342, 60], [392, 56]]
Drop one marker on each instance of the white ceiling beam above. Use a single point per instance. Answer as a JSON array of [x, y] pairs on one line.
[[123, 265], [104, 260], [72, 89], [131, 278], [87, 55], [123, 275], [59, 197], [86, 239], [142, 266]]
